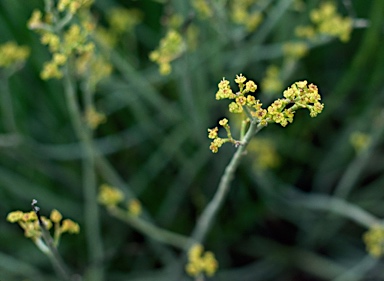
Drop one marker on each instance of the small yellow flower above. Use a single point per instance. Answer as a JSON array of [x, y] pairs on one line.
[[302, 84], [55, 216], [70, 226], [223, 122], [212, 133], [15, 216], [30, 216], [224, 84], [250, 86], [241, 100], [216, 144], [235, 107], [240, 79], [51, 40], [210, 264]]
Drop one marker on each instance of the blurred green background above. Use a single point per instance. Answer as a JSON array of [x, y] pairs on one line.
[[155, 139]]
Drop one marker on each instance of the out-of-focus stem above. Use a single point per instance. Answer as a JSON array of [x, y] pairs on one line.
[[152, 231], [338, 206], [92, 220]]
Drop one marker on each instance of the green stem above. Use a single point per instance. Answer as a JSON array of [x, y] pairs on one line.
[[337, 206], [152, 231], [206, 219], [50, 250], [92, 220]]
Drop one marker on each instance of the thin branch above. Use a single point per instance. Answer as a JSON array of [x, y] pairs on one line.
[[206, 219], [152, 231], [49, 247]]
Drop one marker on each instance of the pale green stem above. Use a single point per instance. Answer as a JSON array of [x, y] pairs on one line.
[[49, 249], [152, 231], [206, 219], [92, 218], [338, 206], [360, 270]]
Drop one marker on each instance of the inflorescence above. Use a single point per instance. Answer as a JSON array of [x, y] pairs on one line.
[[111, 197], [29, 222], [200, 262], [281, 111], [374, 241]]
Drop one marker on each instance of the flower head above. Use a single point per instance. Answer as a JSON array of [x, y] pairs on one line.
[[110, 196], [200, 262]]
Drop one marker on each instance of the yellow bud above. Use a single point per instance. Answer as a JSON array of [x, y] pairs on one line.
[[134, 207], [56, 216], [70, 226]]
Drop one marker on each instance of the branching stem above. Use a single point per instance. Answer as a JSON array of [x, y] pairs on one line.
[[206, 219]]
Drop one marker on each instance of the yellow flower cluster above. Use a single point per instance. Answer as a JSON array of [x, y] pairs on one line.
[[265, 154], [170, 48], [217, 141], [295, 50], [11, 54], [70, 40], [73, 41], [374, 241], [29, 222], [110, 197], [241, 13], [123, 20], [327, 21], [72, 6], [200, 262], [272, 82], [203, 9], [281, 111]]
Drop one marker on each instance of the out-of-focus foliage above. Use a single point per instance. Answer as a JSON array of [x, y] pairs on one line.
[[150, 128]]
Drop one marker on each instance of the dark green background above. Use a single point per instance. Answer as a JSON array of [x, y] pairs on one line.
[[156, 139]]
